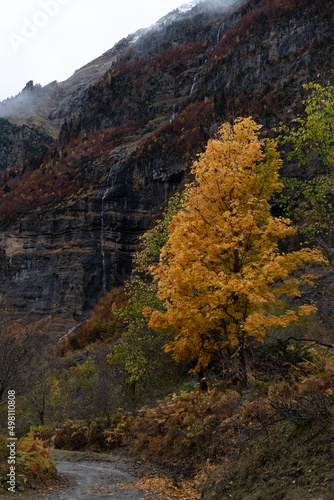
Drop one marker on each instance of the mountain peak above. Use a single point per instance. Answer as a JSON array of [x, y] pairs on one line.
[[48, 106]]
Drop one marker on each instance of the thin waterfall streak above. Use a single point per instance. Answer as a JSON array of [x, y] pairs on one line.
[[218, 34], [173, 115], [194, 83], [110, 183], [71, 330]]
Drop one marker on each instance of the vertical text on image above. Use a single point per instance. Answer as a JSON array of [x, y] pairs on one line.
[[11, 441]]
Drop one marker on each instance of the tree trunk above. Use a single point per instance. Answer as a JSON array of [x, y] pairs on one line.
[[202, 381], [41, 417], [242, 368]]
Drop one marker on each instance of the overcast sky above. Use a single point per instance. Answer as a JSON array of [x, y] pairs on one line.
[[46, 40]]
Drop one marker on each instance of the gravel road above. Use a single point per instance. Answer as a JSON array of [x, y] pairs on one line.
[[89, 479]]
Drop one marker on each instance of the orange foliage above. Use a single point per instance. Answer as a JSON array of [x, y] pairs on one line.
[[164, 487], [221, 275], [188, 429], [36, 459]]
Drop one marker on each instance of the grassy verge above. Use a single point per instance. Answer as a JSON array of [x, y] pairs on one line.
[[286, 463]]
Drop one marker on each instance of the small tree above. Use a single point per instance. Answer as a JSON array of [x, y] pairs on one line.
[[314, 131], [20, 345], [139, 355], [310, 202], [221, 275]]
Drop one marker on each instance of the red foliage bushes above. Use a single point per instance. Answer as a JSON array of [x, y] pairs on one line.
[[103, 323], [258, 105], [173, 60], [41, 189], [184, 136], [64, 171]]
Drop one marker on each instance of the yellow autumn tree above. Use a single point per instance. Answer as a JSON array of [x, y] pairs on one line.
[[221, 275]]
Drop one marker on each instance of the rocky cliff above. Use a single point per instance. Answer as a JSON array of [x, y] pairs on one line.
[[131, 123], [20, 145], [60, 261]]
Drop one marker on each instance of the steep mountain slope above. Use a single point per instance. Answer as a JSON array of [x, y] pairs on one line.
[[48, 106], [128, 137]]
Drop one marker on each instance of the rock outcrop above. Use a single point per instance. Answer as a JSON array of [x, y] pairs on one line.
[[60, 262]]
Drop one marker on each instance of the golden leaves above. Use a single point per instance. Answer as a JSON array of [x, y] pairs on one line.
[[220, 273], [167, 489]]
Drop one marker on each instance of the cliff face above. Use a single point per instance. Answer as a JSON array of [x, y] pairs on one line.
[[261, 63], [20, 145], [69, 227], [61, 261]]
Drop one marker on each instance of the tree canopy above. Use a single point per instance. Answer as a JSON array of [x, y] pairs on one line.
[[309, 198], [221, 276]]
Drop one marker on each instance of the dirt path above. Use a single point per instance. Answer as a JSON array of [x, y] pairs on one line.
[[88, 475], [90, 479]]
